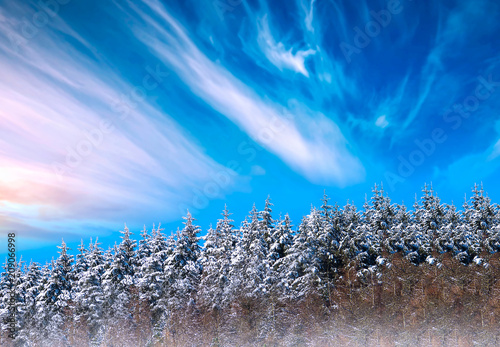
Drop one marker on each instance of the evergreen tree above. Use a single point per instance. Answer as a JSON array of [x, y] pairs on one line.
[[480, 214], [216, 262], [119, 283], [13, 301], [184, 268], [144, 249], [267, 221], [282, 240], [54, 299], [29, 286], [255, 266], [81, 263], [152, 275], [302, 264], [90, 298], [379, 214]]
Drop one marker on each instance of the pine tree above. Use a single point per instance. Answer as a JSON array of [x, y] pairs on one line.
[[144, 249], [256, 265], [380, 213], [81, 263], [90, 297], [212, 282], [29, 287], [481, 215], [118, 281], [302, 264], [267, 221], [282, 240], [216, 262], [152, 275], [13, 301], [184, 268], [55, 297]]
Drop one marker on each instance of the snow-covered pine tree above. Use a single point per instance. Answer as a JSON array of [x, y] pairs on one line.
[[256, 259], [282, 240], [237, 270], [301, 265], [211, 288], [350, 219], [54, 299], [80, 268], [144, 250], [229, 235], [13, 298], [4, 297], [215, 259], [267, 221], [184, 268], [29, 287], [380, 213], [181, 275], [432, 213], [363, 246], [81, 263], [118, 282], [328, 231], [216, 262], [152, 276], [482, 213], [423, 227], [122, 268], [90, 300]]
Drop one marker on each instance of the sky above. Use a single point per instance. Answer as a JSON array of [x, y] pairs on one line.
[[134, 112]]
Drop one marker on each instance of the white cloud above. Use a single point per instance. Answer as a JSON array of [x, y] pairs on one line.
[[277, 54], [495, 151], [257, 170], [308, 142], [381, 122], [309, 16], [51, 95]]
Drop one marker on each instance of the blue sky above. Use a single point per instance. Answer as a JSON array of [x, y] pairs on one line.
[[134, 111]]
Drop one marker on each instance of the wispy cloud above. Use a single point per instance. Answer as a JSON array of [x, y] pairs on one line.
[[276, 52], [52, 97], [495, 151], [309, 16], [381, 121], [318, 150]]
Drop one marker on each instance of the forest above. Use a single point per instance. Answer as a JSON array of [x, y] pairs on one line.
[[383, 275]]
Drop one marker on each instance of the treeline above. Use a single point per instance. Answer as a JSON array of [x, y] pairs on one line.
[[381, 276]]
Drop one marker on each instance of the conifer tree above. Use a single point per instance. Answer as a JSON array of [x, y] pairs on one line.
[[184, 268], [13, 301], [29, 286], [55, 297], [282, 239], [90, 298], [301, 266], [267, 221], [152, 275], [216, 262]]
